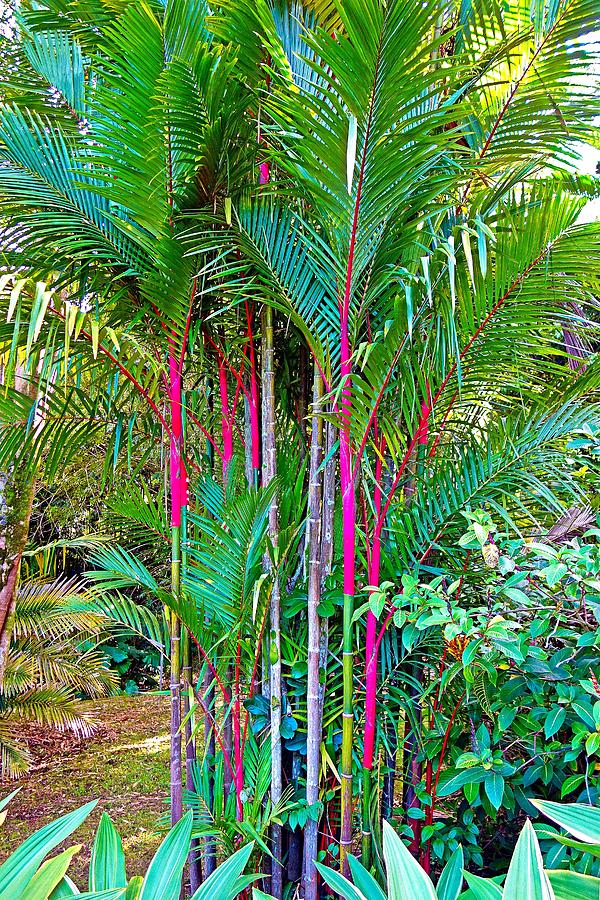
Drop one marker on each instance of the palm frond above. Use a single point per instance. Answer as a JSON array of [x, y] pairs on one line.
[[517, 472]]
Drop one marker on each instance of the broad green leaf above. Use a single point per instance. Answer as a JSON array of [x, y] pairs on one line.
[[50, 874], [223, 880], [554, 720], [19, 868], [582, 821], [163, 878], [67, 888], [107, 862], [460, 778], [494, 788], [406, 879], [593, 849], [592, 744], [483, 888], [451, 879], [260, 895], [134, 888], [364, 881], [112, 894], [573, 885], [340, 884], [571, 784], [526, 879]]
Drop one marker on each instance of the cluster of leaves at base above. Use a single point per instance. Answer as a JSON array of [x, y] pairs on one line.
[[520, 631], [530, 669]]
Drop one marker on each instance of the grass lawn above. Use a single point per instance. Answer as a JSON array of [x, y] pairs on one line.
[[124, 765]]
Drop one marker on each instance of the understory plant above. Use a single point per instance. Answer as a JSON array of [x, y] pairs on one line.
[[27, 874], [510, 709], [55, 660], [525, 879]]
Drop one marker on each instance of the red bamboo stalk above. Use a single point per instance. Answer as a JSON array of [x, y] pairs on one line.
[[313, 706]]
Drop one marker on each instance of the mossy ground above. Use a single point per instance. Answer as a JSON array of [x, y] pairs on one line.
[[124, 765]]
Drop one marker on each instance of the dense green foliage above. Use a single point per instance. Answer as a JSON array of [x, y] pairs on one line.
[[311, 295]]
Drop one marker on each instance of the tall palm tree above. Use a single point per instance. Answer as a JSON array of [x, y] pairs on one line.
[[394, 179], [427, 255], [112, 129]]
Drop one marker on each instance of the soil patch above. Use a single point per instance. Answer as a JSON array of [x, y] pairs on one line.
[[124, 765]]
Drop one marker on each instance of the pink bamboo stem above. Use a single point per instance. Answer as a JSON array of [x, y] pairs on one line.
[[226, 429]]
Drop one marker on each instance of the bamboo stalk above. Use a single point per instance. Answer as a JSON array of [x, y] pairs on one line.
[[208, 693], [349, 575], [228, 734], [175, 684], [313, 701], [190, 741], [268, 474], [371, 665], [178, 491]]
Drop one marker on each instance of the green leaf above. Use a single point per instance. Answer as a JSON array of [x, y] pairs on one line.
[[50, 874], [66, 888], [494, 788], [451, 879], [19, 868], [554, 720], [483, 888], [364, 881], [340, 884], [593, 849], [4, 803], [133, 888], [582, 821], [526, 879], [163, 878], [406, 879], [573, 885], [554, 573], [470, 652], [376, 603], [111, 894], [506, 717], [592, 743], [474, 775], [107, 862], [223, 881], [571, 784]]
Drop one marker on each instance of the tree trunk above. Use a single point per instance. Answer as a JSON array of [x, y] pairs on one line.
[[210, 849], [228, 735], [269, 473], [16, 501], [17, 490], [190, 740], [348, 489], [313, 706], [389, 778], [371, 666], [179, 499]]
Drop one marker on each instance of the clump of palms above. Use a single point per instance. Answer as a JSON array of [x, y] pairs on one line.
[[410, 239], [55, 660]]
